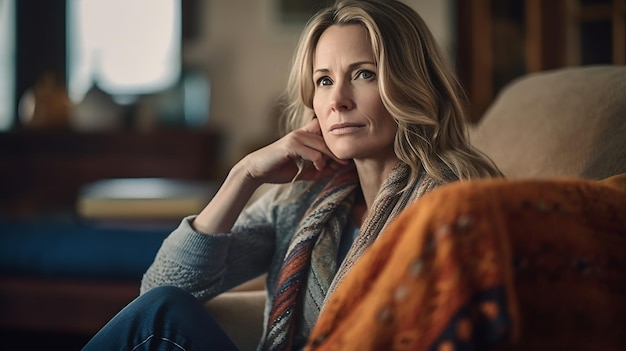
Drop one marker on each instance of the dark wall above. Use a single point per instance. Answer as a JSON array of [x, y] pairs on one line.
[[40, 43]]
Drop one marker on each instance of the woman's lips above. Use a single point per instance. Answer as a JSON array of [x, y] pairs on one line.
[[345, 128]]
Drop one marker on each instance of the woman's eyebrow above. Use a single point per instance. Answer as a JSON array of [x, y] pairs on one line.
[[350, 66], [361, 63]]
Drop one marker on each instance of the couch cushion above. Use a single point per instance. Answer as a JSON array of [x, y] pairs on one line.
[[569, 122]]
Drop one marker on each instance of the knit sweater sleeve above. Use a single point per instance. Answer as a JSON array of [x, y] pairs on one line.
[[207, 265]]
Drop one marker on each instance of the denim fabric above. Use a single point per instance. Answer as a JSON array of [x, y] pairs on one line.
[[163, 319]]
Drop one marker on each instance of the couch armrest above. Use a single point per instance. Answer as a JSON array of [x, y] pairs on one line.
[[240, 314]]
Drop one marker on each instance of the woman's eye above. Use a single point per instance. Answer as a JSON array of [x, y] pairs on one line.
[[324, 81], [365, 75]]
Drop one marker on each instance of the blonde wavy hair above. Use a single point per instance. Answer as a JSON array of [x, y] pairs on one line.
[[416, 83]]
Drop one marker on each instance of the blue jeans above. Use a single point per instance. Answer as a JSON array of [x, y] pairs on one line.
[[163, 319]]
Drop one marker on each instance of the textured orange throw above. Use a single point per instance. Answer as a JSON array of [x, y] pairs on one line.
[[515, 264]]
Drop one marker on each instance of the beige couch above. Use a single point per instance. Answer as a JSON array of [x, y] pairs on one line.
[[564, 123]]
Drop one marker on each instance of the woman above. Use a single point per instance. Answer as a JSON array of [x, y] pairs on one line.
[[375, 119]]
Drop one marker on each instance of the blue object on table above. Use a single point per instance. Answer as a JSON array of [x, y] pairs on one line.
[[54, 248]]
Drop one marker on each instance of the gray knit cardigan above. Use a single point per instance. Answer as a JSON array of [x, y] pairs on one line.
[[207, 265]]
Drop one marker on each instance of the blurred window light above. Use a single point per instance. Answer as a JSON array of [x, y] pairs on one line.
[[7, 63], [126, 47]]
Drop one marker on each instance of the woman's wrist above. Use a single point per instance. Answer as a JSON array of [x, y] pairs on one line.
[[240, 174], [221, 212]]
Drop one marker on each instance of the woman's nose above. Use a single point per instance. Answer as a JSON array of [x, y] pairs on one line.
[[341, 98]]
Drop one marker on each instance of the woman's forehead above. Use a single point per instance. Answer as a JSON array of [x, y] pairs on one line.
[[345, 43]]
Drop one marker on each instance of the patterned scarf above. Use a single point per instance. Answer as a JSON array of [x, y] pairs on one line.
[[319, 230], [309, 272]]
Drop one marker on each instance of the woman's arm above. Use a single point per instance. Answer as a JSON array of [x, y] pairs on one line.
[[225, 245], [275, 163], [207, 265]]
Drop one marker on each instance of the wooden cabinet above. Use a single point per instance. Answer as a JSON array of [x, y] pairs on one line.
[[499, 40], [42, 171]]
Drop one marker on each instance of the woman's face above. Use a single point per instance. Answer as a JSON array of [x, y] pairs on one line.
[[354, 122]]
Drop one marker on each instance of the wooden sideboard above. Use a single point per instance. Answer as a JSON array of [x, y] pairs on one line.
[[42, 170]]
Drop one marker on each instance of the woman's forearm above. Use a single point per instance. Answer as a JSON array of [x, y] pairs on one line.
[[222, 211]]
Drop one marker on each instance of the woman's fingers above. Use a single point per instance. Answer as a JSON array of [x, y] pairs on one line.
[[277, 162], [318, 143]]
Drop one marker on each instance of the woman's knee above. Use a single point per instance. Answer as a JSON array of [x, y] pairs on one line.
[[165, 301], [166, 294], [175, 313]]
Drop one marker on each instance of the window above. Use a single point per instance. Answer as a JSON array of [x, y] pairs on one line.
[[125, 47], [7, 63]]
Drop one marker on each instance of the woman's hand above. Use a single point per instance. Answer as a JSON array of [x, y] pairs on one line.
[[278, 162], [275, 163]]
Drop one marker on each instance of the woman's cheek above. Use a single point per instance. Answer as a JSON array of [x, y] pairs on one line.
[[319, 106]]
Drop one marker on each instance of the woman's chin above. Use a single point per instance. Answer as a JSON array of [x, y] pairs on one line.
[[343, 156], [344, 153]]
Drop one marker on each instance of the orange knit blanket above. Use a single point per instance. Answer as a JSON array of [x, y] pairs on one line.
[[528, 264]]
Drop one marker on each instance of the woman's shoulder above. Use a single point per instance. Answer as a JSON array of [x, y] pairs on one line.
[[448, 175], [437, 174]]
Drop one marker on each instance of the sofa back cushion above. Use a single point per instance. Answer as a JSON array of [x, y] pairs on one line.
[[569, 122]]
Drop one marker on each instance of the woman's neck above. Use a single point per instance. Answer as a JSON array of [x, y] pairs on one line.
[[372, 175]]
